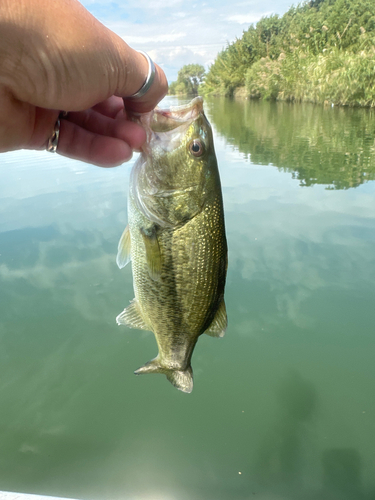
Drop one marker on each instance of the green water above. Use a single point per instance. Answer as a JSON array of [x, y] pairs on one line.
[[283, 406]]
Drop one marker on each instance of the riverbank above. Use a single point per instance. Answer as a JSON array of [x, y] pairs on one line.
[[338, 78], [322, 51]]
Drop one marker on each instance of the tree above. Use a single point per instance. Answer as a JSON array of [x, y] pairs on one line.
[[189, 78]]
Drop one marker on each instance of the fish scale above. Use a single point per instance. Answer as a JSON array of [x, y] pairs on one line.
[[176, 240]]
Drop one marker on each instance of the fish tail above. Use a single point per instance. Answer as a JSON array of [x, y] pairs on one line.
[[181, 379]]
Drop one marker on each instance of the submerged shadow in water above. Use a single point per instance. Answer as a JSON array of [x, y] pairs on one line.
[[284, 461], [342, 473], [281, 458]]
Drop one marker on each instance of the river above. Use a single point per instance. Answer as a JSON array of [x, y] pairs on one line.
[[283, 406]]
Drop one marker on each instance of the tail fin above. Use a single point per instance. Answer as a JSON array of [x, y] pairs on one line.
[[182, 379]]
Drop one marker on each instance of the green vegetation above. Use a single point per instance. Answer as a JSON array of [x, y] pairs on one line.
[[188, 80], [319, 51]]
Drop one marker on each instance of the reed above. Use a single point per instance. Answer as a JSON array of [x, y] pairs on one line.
[[332, 77]]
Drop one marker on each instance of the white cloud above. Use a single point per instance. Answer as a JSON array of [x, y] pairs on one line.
[[177, 56], [176, 32], [151, 4], [159, 38], [184, 41], [246, 18]]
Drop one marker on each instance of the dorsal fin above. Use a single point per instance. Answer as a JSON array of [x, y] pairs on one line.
[[131, 317], [219, 323]]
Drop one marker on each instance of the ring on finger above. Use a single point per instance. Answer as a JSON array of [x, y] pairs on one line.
[[149, 78], [53, 140]]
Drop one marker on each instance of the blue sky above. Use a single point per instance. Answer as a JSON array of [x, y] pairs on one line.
[[178, 32]]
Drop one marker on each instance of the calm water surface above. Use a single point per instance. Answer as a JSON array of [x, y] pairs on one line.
[[283, 406]]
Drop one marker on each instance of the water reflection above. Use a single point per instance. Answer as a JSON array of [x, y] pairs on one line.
[[285, 397], [331, 146]]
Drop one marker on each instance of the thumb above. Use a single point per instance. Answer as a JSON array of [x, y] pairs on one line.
[[70, 61], [138, 68]]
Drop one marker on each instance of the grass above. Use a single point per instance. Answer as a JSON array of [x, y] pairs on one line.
[[333, 77]]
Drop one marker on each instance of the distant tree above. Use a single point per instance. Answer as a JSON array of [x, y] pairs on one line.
[[189, 78]]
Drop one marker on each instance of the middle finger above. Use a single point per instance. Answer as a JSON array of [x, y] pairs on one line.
[[110, 107]]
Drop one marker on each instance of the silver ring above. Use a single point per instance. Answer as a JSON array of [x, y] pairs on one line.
[[53, 141], [149, 79]]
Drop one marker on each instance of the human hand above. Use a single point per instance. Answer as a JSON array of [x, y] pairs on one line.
[[57, 56]]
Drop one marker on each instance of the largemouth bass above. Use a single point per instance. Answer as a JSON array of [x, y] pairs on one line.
[[176, 240]]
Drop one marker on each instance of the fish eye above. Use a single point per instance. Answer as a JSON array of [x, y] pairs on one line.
[[196, 148]]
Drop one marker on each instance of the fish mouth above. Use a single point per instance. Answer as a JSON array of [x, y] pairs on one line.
[[191, 110], [166, 120]]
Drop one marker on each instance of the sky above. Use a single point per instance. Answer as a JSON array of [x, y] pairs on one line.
[[179, 32]]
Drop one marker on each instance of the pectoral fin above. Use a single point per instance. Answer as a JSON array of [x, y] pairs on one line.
[[153, 252], [131, 316], [219, 323], [124, 246]]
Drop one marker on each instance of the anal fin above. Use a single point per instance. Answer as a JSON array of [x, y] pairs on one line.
[[131, 317], [219, 323]]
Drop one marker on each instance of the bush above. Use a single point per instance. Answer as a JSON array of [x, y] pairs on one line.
[[336, 76]]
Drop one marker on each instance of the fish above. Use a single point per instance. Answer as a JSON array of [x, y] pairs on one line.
[[175, 240]]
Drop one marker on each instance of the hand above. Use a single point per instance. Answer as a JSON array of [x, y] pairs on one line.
[[56, 56]]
